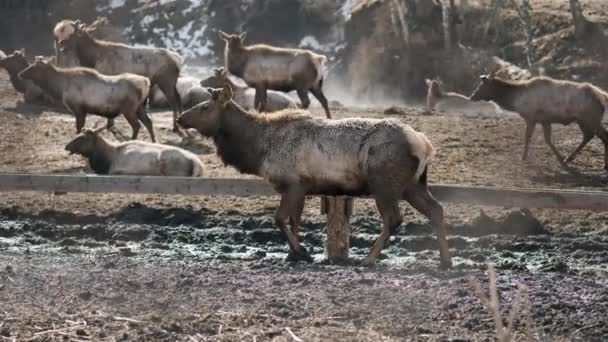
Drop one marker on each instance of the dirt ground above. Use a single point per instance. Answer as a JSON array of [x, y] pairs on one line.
[[176, 268]]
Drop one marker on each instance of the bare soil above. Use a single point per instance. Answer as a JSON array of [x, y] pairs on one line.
[[177, 268]]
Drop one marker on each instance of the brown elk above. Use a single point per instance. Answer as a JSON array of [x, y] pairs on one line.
[[301, 155], [84, 90], [264, 67], [545, 101]]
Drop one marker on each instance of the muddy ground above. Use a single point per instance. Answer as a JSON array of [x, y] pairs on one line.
[[146, 267]]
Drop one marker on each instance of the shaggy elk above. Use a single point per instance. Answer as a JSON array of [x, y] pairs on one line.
[[134, 157], [245, 96], [84, 90], [546, 101], [14, 64], [161, 66], [265, 67], [301, 155], [437, 99]]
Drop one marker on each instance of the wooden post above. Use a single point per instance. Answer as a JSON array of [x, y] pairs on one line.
[[338, 210]]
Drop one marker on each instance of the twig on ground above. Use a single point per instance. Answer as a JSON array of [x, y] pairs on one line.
[[54, 331], [126, 319], [293, 336]]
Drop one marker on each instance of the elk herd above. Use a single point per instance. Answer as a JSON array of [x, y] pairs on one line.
[[296, 153]]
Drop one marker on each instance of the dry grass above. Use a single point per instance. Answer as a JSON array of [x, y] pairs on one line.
[[504, 328]]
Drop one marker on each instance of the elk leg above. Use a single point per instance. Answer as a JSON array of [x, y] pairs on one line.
[[110, 123], [296, 251], [168, 88], [547, 134], [388, 206], [81, 117], [422, 200], [145, 119], [587, 136], [262, 98], [303, 95], [318, 93], [602, 134], [296, 215], [134, 122], [529, 132]]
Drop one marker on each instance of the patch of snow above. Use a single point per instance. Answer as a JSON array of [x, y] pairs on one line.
[[116, 3], [310, 42], [346, 8], [147, 20]]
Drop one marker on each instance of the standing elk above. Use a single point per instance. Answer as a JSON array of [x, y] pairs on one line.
[[545, 101], [161, 66], [438, 99], [84, 90], [245, 96], [301, 155], [134, 157], [265, 67]]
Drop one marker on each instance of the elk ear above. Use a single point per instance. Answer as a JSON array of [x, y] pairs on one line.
[[223, 35], [21, 52], [225, 95], [242, 36], [428, 82]]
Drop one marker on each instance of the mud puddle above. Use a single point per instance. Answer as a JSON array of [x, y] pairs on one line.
[[516, 241]]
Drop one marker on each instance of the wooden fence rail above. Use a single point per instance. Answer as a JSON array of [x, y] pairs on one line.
[[472, 195]]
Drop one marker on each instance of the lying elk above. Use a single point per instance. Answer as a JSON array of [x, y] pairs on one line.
[[437, 99], [301, 155], [84, 90], [546, 101], [189, 89], [14, 64], [134, 157], [265, 67], [245, 96], [161, 66]]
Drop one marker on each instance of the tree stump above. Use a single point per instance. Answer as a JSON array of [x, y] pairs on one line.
[[338, 210]]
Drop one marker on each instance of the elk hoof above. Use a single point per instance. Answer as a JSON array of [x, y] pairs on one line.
[[299, 255]]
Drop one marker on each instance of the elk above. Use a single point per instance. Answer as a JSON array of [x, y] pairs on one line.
[[134, 157], [301, 155], [161, 66], [84, 90], [265, 67], [437, 99], [545, 101], [245, 96]]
